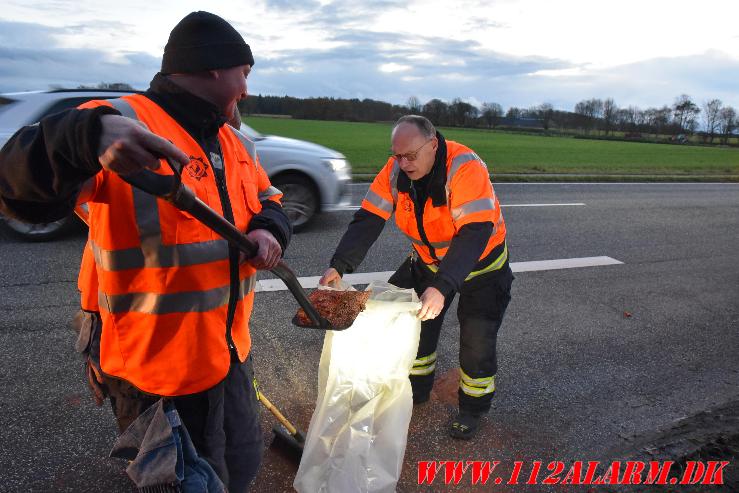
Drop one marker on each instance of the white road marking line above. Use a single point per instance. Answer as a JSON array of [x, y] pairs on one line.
[[368, 277], [357, 207], [540, 205], [564, 263]]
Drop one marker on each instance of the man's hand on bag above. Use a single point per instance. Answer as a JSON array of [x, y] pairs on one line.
[[269, 252], [432, 303], [127, 146], [330, 277]]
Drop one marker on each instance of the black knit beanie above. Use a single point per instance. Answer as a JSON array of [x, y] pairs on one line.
[[204, 41]]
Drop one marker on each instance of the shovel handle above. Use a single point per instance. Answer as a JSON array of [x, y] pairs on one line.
[[277, 414], [186, 200]]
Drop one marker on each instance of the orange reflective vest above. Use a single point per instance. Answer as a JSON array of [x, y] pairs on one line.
[[469, 198], [163, 280]]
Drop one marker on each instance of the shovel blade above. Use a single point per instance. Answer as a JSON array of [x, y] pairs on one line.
[[340, 308]]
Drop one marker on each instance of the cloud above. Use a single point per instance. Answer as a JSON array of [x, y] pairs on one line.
[[31, 59], [357, 62], [654, 82], [370, 64]]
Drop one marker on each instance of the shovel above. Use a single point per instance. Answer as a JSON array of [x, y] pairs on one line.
[[171, 189]]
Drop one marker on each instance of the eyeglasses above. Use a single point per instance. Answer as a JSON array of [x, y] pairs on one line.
[[412, 155]]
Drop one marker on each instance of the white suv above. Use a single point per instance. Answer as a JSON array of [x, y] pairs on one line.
[[312, 178]]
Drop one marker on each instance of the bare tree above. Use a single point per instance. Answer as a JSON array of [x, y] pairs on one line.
[[590, 111], [685, 112], [609, 114], [513, 113], [414, 105], [491, 113], [711, 114], [546, 113], [437, 111], [658, 119], [727, 123], [630, 119]]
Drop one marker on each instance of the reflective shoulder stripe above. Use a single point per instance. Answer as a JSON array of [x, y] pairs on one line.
[[379, 202], [458, 161], [124, 107], [248, 144], [473, 206], [182, 302], [476, 387], [269, 192]]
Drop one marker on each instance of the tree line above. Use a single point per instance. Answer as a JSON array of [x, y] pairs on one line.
[[713, 120]]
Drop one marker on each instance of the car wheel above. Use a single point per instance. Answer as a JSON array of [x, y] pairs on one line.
[[299, 199], [42, 231]]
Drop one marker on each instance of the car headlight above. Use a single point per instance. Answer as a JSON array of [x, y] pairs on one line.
[[336, 164]]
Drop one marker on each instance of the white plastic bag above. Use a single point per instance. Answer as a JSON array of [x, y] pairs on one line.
[[357, 435]]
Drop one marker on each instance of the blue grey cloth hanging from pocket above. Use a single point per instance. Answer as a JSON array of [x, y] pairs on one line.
[[163, 457]]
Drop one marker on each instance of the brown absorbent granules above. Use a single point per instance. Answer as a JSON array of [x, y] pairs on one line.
[[340, 308]]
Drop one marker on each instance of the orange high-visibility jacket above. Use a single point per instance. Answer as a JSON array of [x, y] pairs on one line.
[[162, 277], [470, 198]]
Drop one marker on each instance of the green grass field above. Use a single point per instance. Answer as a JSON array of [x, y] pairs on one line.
[[367, 146]]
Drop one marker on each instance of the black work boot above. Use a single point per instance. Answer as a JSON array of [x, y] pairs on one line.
[[421, 386], [464, 426]]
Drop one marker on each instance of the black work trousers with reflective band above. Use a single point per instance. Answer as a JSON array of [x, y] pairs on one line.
[[482, 303]]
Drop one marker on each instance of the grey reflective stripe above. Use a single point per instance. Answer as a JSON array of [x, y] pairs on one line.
[[166, 256], [152, 253], [183, 302], [458, 161], [146, 209], [124, 107], [425, 365], [247, 143], [437, 244], [394, 171], [473, 206], [378, 201], [270, 192]]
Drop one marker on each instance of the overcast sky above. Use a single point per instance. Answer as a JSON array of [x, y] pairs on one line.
[[513, 52]]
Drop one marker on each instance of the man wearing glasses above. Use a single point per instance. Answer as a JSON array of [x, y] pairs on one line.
[[444, 203]]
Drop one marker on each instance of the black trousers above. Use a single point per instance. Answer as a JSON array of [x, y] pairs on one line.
[[482, 303], [223, 421]]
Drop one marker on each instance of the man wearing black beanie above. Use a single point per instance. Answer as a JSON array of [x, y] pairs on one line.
[[169, 341]]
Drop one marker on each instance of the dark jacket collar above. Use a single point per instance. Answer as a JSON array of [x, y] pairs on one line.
[[199, 117], [435, 180]]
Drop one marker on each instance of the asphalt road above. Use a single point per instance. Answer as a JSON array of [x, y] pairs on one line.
[[589, 358]]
